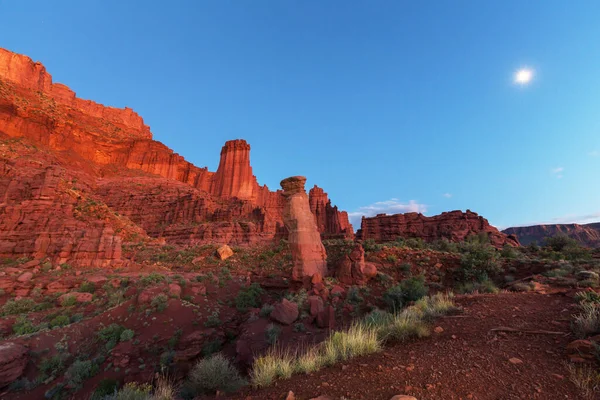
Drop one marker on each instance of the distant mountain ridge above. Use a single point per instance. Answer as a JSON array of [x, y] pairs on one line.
[[588, 234]]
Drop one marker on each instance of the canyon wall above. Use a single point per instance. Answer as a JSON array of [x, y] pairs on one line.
[[455, 226], [125, 182]]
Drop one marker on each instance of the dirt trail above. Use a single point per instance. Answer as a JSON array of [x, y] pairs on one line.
[[465, 361]]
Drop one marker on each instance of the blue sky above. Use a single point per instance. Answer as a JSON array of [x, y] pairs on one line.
[[388, 105]]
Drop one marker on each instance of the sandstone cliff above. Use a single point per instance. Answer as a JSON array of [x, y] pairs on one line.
[[454, 226], [77, 178]]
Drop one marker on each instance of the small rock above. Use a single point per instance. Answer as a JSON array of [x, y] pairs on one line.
[[557, 376], [438, 329], [224, 252], [515, 361], [403, 397], [25, 277], [316, 278], [290, 396], [174, 290], [285, 312]]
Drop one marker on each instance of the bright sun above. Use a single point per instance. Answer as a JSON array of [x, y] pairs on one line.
[[523, 76]]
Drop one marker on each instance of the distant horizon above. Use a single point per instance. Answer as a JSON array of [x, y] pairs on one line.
[[381, 107]]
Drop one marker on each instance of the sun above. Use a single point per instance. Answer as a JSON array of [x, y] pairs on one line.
[[523, 76]]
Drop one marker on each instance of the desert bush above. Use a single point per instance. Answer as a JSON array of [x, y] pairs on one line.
[[249, 297], [79, 371], [52, 366], [24, 326], [272, 333], [160, 302], [68, 301], [478, 261], [484, 286], [87, 287], [391, 258], [586, 378], [394, 298], [132, 391], [408, 290], [587, 297], [560, 241], [509, 252], [213, 320], [444, 245], [21, 306], [370, 246], [212, 347], [151, 279], [587, 322], [415, 243], [215, 373], [435, 306], [358, 340], [353, 296], [111, 335], [126, 335], [106, 388], [60, 320]]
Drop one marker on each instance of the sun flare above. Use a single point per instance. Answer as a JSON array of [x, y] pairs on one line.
[[523, 76]]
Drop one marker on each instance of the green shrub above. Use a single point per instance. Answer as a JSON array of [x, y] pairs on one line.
[[87, 287], [392, 258], [560, 241], [415, 243], [126, 335], [215, 374], [249, 297], [213, 320], [160, 302], [478, 261], [24, 326], [52, 367], [111, 335], [132, 391], [394, 298], [509, 252], [212, 347], [353, 296], [444, 245], [79, 371], [266, 310], [69, 301], [60, 320], [299, 327], [272, 333], [414, 288], [151, 279], [370, 246], [484, 286], [106, 387], [587, 297], [21, 306]]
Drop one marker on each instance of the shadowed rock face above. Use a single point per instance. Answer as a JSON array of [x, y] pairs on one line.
[[308, 253], [455, 226]]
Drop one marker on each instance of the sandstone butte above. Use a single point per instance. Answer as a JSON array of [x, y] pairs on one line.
[[78, 179], [454, 226]]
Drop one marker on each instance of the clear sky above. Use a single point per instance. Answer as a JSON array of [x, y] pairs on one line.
[[388, 105]]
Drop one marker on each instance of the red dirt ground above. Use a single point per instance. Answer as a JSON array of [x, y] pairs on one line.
[[465, 361]]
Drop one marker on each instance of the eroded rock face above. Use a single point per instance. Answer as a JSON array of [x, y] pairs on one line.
[[455, 226], [308, 253], [77, 179], [13, 360]]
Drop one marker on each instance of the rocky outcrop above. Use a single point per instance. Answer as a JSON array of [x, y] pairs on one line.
[[455, 226], [13, 360], [352, 269], [78, 178], [308, 253], [587, 235], [332, 224]]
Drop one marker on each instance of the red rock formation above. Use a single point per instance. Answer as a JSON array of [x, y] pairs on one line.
[[587, 235], [333, 224], [455, 226], [13, 360], [351, 268], [308, 253], [84, 177]]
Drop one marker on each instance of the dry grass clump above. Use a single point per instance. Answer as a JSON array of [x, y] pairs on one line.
[[587, 322], [365, 337], [586, 378]]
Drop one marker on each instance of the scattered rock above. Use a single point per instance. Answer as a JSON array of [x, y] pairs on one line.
[[515, 361], [13, 360], [438, 329], [79, 297], [316, 305], [285, 312], [581, 348], [326, 318], [290, 396], [224, 252], [25, 277], [174, 290]]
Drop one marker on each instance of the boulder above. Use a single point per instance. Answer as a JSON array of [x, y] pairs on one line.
[[224, 252], [25, 277], [326, 318], [315, 303], [285, 312]]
